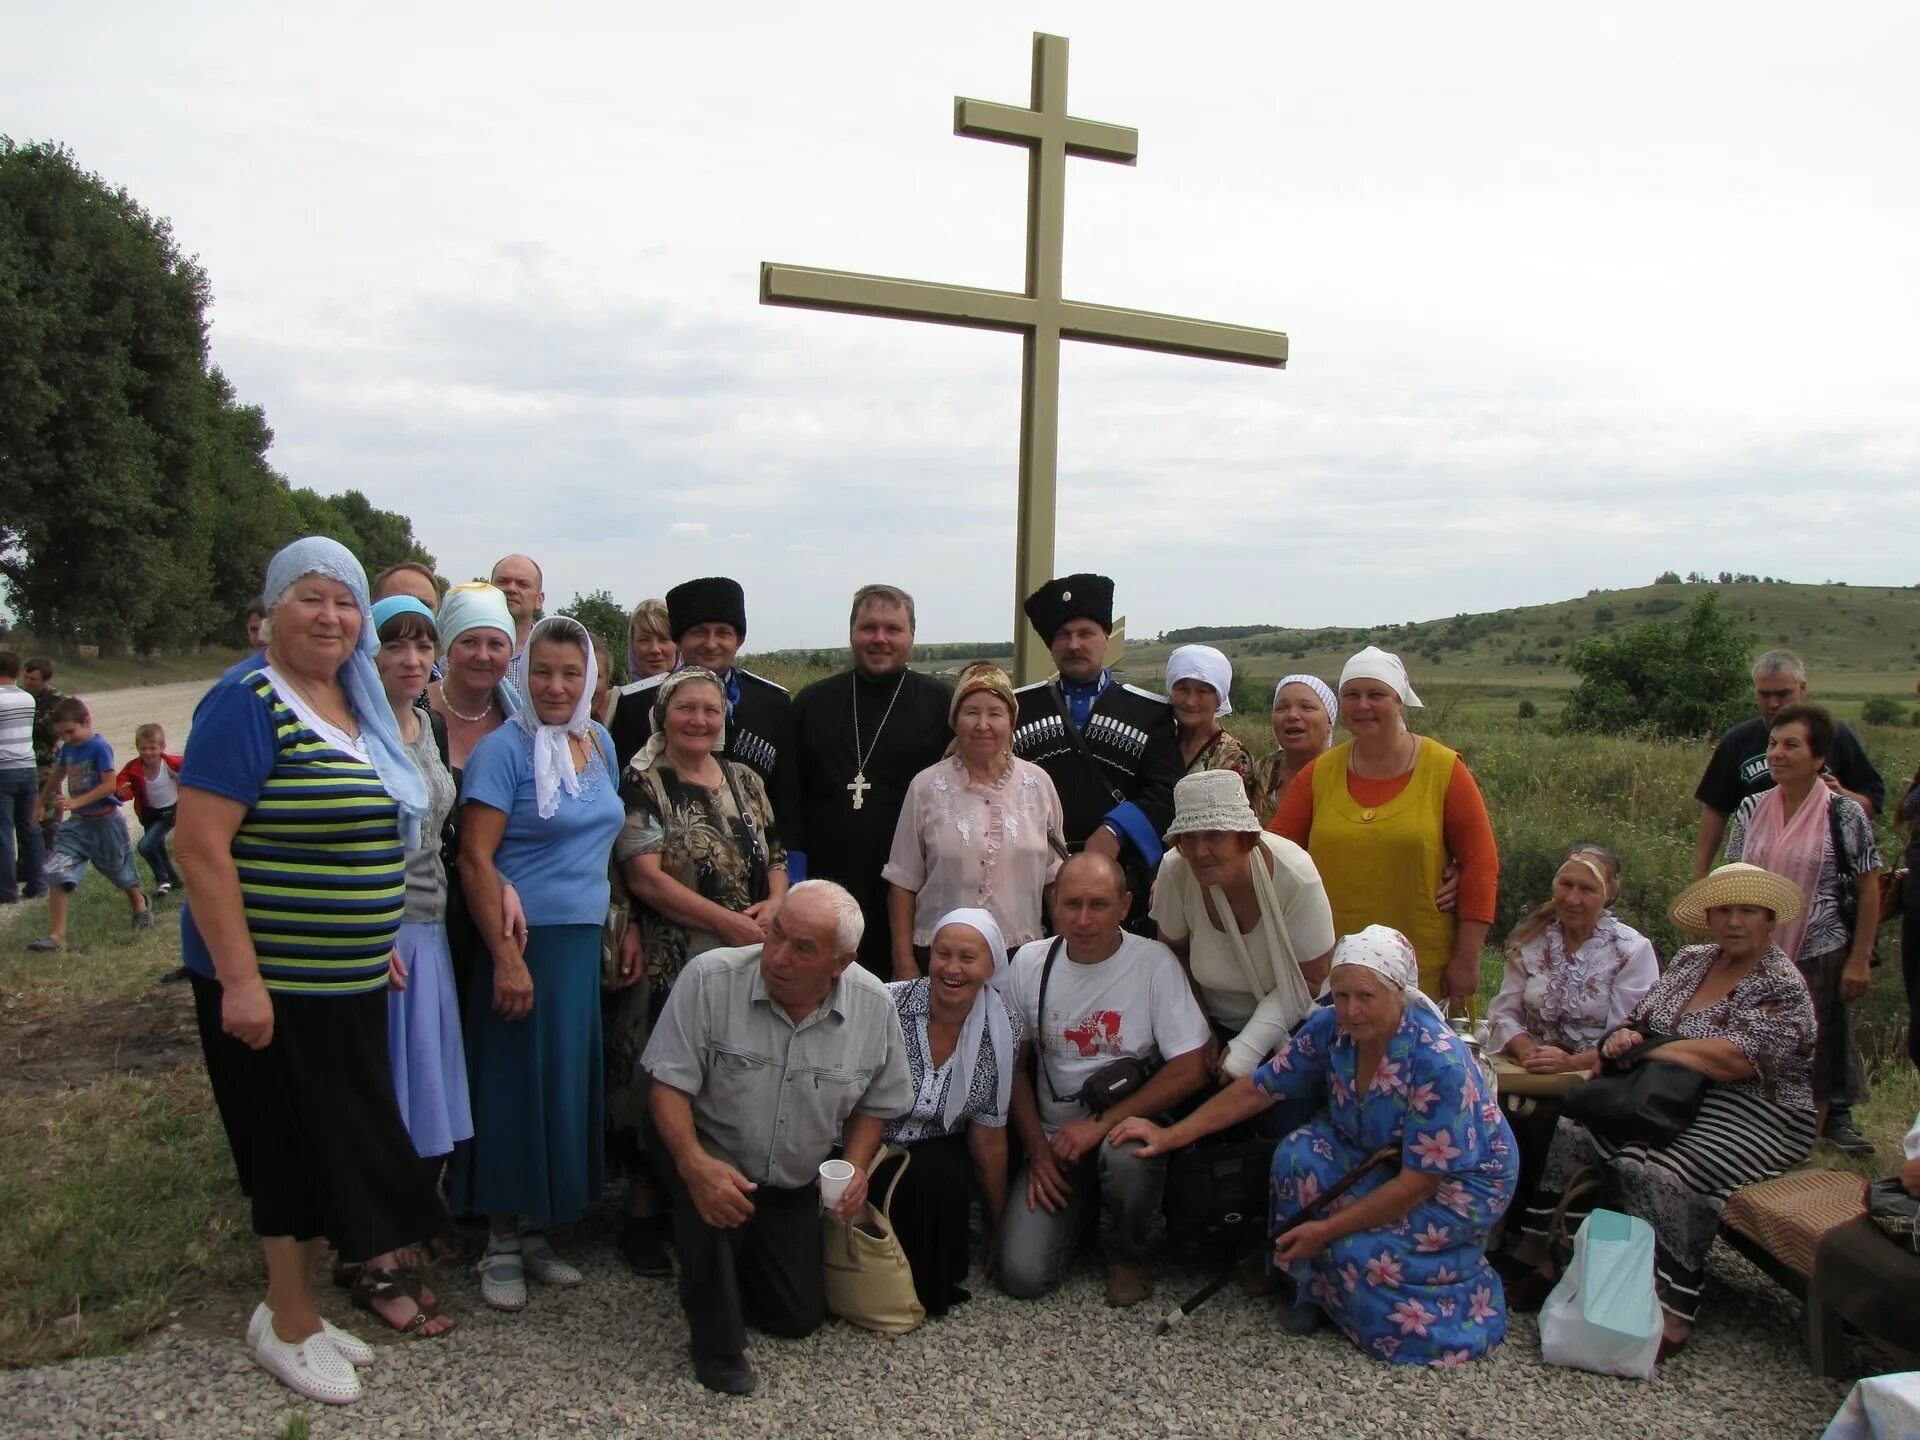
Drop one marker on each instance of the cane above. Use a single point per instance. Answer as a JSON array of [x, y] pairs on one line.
[[1213, 1287]]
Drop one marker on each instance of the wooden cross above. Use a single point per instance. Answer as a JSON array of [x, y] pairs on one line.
[[1039, 315]]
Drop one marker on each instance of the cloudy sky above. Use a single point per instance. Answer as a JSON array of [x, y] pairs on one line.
[[1574, 295]]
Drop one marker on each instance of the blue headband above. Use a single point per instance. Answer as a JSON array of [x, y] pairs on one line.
[[385, 610]]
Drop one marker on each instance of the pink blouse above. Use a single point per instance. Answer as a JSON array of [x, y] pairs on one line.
[[964, 844]]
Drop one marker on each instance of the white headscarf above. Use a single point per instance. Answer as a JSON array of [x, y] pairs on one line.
[[1319, 688], [1390, 955], [552, 758], [1373, 663], [988, 1016], [1209, 667]]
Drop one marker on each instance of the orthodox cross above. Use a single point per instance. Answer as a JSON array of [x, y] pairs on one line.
[[1039, 315], [859, 785]]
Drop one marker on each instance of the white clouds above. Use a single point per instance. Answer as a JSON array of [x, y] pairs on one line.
[[1557, 293]]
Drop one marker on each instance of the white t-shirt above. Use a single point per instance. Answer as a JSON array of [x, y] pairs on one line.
[[1135, 1002]]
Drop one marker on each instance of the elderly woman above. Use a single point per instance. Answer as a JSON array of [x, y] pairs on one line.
[[1819, 840], [981, 829], [1383, 816], [540, 807], [298, 802], [650, 647], [701, 857], [1200, 690], [1303, 712], [1402, 1268], [1246, 914], [963, 1040], [423, 1016], [1738, 1013]]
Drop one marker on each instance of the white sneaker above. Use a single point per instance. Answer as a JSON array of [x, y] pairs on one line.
[[352, 1348], [542, 1264], [312, 1368]]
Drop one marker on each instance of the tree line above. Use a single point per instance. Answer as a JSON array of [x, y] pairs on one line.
[[137, 507]]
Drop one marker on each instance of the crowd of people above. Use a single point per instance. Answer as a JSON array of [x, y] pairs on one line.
[[471, 931]]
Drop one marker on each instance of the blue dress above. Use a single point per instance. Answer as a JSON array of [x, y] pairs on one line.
[[1420, 1291]]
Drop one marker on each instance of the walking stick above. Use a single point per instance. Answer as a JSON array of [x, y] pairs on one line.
[[1213, 1287]]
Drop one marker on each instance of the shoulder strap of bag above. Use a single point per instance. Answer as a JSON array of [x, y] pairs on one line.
[[1842, 861], [757, 870], [437, 723], [885, 1207], [1080, 744], [1040, 1015]]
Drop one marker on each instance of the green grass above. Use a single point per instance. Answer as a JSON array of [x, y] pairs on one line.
[[73, 675]]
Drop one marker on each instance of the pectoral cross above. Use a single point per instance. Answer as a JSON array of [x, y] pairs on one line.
[[1039, 314], [859, 785]]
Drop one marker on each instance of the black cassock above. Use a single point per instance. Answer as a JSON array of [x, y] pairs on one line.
[[847, 845], [759, 733]]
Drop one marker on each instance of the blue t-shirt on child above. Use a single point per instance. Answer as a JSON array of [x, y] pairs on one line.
[[558, 865], [89, 763]]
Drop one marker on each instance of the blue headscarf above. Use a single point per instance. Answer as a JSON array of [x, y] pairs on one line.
[[317, 555], [385, 610]]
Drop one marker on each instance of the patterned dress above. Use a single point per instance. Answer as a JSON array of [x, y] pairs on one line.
[[1418, 1291], [1225, 752]]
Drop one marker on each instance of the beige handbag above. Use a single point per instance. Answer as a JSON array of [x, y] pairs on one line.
[[869, 1283]]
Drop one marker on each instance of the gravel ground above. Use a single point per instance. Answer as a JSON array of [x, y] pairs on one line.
[[610, 1358]]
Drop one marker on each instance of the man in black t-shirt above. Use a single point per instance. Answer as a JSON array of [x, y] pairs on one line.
[[1739, 764]]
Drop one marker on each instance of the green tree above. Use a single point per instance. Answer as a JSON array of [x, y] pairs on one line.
[[1682, 680], [603, 616]]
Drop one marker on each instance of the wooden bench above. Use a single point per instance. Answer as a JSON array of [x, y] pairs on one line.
[[1809, 1232]]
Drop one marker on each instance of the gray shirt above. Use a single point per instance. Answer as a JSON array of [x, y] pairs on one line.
[[426, 872], [770, 1095]]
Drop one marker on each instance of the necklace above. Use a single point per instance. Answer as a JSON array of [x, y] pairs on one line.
[[860, 784], [348, 727], [447, 701]]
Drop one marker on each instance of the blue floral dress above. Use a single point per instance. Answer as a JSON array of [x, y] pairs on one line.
[[1418, 1292]]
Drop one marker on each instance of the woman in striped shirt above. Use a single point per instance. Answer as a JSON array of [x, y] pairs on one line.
[[297, 803]]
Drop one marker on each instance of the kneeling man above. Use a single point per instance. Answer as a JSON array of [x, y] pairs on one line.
[[765, 1057], [1110, 996]]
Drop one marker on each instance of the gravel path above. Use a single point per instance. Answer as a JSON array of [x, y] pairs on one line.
[[610, 1358]]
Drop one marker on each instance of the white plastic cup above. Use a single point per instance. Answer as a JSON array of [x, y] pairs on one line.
[[835, 1176]]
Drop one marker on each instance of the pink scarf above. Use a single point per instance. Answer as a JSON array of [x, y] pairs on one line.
[[1794, 849]]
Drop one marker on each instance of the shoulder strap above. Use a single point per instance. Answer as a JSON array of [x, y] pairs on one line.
[[758, 879], [1040, 1014], [1080, 744], [1842, 861], [906, 1158], [437, 723]]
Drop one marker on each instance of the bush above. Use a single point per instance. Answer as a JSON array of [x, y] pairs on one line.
[[1882, 711], [1673, 680], [1527, 710]]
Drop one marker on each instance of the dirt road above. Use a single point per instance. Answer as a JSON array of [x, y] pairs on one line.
[[116, 713]]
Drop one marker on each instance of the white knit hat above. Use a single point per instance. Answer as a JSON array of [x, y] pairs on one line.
[[1211, 800]]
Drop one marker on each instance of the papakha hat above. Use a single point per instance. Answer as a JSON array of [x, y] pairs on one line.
[[1736, 884], [1071, 597], [1211, 800], [714, 600]]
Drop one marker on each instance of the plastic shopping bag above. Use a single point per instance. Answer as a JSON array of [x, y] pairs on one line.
[[1603, 1315]]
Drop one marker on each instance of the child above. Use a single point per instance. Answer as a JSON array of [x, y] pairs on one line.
[[92, 832], [149, 783]]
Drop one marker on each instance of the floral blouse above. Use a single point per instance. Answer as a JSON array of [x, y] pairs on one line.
[[1768, 1016], [927, 1119], [1570, 1001], [1225, 752]]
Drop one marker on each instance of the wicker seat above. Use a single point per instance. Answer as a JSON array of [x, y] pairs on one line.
[[1788, 1216]]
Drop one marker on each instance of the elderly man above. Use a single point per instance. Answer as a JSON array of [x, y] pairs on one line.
[[708, 619], [520, 580], [859, 738], [764, 1058], [1109, 996], [1739, 769], [1110, 749]]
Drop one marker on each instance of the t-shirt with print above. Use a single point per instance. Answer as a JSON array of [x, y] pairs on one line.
[[88, 764], [1739, 767], [1135, 1003]]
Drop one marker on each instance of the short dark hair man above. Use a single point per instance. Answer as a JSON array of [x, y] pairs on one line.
[[521, 581]]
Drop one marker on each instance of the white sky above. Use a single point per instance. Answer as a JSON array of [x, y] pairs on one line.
[[1574, 295]]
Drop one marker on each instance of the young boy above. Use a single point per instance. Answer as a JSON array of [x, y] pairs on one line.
[[92, 832], [149, 783]]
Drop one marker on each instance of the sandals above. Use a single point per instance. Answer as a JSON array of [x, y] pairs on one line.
[[543, 1265], [375, 1286], [503, 1279]]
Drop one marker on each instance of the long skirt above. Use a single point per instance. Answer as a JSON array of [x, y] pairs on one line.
[[930, 1216], [423, 1043], [1737, 1139], [538, 1109], [317, 1139], [1418, 1292]]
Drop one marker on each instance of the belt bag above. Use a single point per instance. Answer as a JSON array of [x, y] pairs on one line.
[[1107, 1086]]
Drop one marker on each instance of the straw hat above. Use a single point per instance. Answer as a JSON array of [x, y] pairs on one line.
[[1211, 800], [1736, 884]]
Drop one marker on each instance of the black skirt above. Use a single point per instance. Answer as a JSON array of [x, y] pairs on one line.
[[930, 1216], [317, 1137]]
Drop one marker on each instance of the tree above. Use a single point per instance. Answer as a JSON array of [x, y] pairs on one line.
[[1667, 577], [1681, 680], [602, 616]]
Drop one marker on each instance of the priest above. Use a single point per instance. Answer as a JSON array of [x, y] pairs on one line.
[[1110, 748], [859, 738], [708, 619]]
